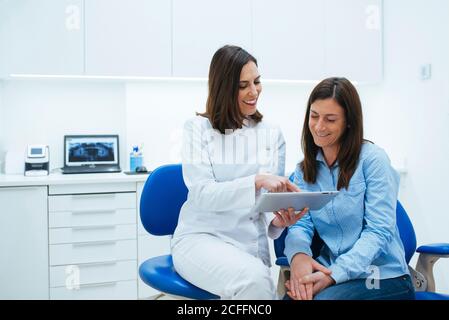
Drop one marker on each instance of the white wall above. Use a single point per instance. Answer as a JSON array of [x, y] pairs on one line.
[[156, 113], [410, 116], [42, 112], [2, 133]]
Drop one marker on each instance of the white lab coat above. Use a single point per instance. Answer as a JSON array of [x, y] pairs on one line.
[[219, 172]]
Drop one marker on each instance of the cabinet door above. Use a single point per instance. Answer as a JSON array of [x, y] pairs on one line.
[[353, 41], [23, 243], [43, 37], [288, 38], [200, 27], [128, 38]]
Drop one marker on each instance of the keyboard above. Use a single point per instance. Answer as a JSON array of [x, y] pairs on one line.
[[86, 169]]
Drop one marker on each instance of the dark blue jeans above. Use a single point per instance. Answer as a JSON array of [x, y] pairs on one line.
[[400, 288]]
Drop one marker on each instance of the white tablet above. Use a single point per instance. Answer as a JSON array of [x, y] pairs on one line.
[[267, 202]]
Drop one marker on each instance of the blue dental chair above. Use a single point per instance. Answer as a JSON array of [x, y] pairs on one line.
[[162, 197], [422, 275]]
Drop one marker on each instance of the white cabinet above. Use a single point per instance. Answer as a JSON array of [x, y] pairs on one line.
[[353, 39], [292, 39], [43, 37], [200, 27], [93, 244], [128, 38], [288, 39], [312, 40], [24, 243]]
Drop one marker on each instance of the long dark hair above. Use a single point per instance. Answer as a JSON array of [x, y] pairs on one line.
[[222, 108], [345, 94]]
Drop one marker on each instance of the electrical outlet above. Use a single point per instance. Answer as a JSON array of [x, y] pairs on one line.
[[426, 71]]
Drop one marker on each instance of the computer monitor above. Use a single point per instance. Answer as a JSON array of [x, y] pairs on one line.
[[91, 150]]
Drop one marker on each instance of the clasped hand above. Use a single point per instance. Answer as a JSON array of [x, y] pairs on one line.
[[307, 278]]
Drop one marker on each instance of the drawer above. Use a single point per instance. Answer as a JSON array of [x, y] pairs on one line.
[[92, 217], [123, 290], [93, 202], [72, 276], [87, 252], [92, 233]]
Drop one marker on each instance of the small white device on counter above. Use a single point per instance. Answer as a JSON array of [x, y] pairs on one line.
[[37, 160]]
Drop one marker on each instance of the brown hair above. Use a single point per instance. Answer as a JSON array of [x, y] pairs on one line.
[[222, 108], [345, 94]]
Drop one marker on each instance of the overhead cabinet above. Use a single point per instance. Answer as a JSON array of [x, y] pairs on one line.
[[43, 37], [353, 39], [288, 38], [292, 39], [312, 40], [128, 38], [200, 27]]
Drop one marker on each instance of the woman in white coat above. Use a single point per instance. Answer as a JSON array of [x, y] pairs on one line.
[[229, 156]]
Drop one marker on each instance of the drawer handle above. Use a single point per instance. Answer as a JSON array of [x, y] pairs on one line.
[[97, 264], [94, 243], [94, 196], [76, 212], [92, 228], [102, 284]]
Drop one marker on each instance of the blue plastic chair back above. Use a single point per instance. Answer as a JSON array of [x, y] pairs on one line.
[[406, 232], [162, 197], [159, 209]]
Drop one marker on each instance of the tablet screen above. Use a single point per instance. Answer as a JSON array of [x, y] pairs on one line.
[[298, 200]]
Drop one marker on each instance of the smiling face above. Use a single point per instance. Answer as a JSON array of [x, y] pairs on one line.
[[327, 123], [249, 89]]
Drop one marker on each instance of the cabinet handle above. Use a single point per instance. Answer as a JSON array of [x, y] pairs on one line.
[[92, 228], [94, 243], [96, 264], [93, 212], [102, 284], [97, 195]]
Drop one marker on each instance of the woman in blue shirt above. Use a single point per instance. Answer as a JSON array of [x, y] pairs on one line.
[[362, 248]]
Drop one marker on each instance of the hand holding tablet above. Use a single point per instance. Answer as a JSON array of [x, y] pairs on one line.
[[298, 200], [287, 217]]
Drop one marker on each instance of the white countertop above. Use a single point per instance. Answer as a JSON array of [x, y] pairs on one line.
[[17, 180]]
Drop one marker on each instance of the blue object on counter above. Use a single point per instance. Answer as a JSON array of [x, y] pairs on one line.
[[136, 159]]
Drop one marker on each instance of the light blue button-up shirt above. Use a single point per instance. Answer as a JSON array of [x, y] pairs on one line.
[[359, 226]]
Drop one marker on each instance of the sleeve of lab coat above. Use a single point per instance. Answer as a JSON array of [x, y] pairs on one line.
[[204, 190]]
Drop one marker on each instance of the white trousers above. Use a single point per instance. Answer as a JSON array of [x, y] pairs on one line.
[[222, 269]]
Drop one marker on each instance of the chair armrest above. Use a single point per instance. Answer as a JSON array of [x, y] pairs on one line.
[[435, 248], [428, 255]]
